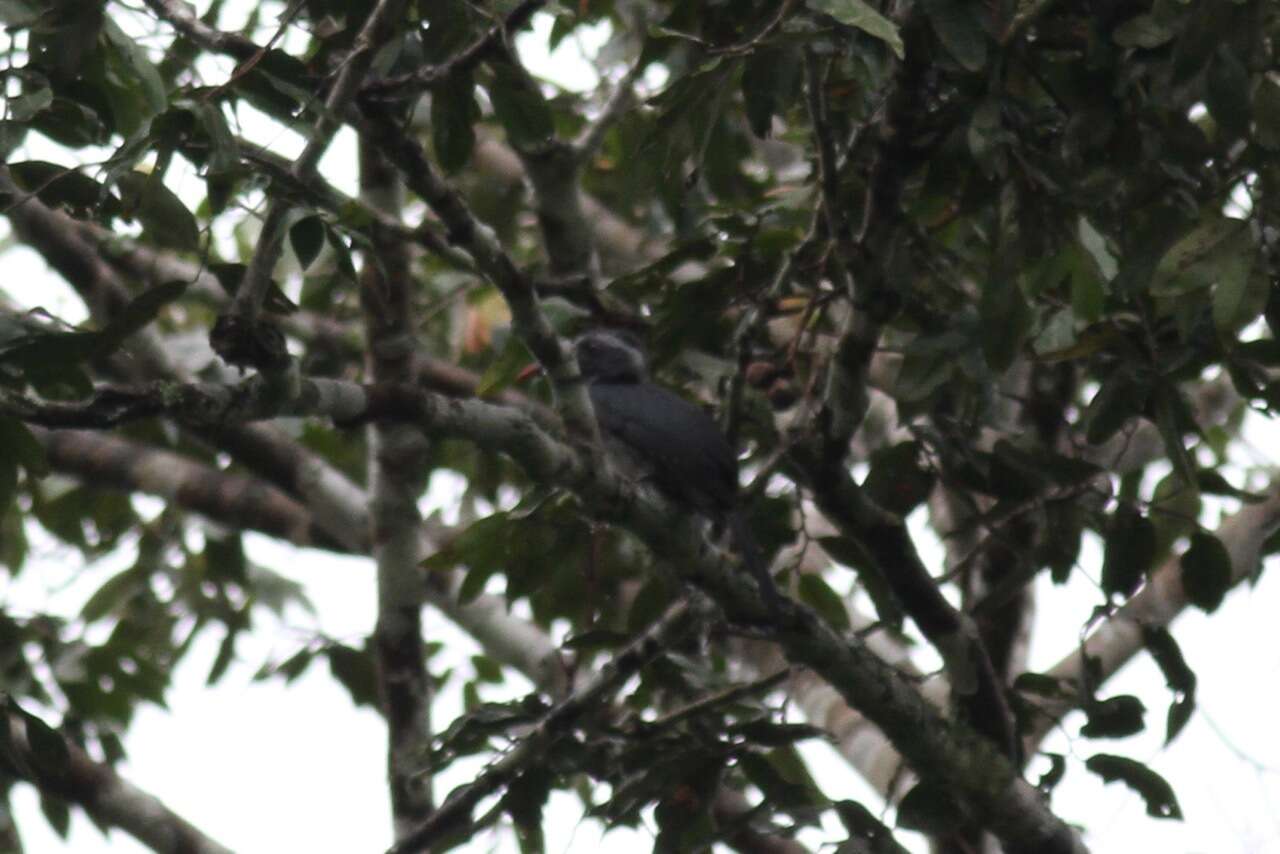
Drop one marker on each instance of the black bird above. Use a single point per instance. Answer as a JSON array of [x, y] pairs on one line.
[[673, 441]]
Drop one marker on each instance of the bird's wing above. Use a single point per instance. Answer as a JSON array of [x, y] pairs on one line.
[[690, 457]]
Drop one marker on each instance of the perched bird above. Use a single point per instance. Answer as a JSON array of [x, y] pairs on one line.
[[668, 438]]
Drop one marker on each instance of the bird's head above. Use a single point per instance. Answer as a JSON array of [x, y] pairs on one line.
[[609, 355]]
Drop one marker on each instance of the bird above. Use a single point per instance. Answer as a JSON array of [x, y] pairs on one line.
[[670, 440]]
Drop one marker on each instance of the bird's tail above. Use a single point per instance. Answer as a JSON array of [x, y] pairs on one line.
[[745, 544]]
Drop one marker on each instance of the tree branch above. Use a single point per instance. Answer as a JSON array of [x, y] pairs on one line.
[[942, 751], [35, 752], [238, 336], [232, 499], [429, 76], [1119, 637], [533, 746], [465, 230], [398, 473]]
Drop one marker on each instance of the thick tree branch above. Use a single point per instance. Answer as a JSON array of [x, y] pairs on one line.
[[338, 507], [465, 230], [618, 102], [398, 475], [429, 76], [1119, 637], [72, 249], [887, 543], [183, 18], [324, 196], [939, 750], [56, 765], [234, 500]]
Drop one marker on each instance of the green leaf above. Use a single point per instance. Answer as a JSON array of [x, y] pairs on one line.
[[1130, 550], [1266, 113], [226, 655], [8, 483], [1057, 339], [1115, 717], [140, 311], [1174, 420], [341, 253], [773, 734], [1006, 321], [930, 808], [12, 135], [1193, 261], [1158, 794], [928, 363], [1240, 294], [1227, 91], [53, 356], [307, 237], [1017, 473], [46, 748], [165, 219], [230, 276], [847, 552], [449, 28], [72, 124], [482, 546], [521, 108], [1060, 549], [355, 670], [648, 605], [139, 64], [1051, 778], [291, 668], [859, 14], [275, 592], [959, 26], [58, 186], [114, 595], [777, 789], [866, 831], [504, 370], [487, 669], [596, 639], [1212, 482], [816, 593], [18, 14], [1121, 397], [34, 100], [57, 812], [1180, 678], [1096, 245], [17, 444], [769, 77], [1088, 294], [470, 732], [1145, 31], [524, 800], [1206, 571], [1175, 506], [224, 154]]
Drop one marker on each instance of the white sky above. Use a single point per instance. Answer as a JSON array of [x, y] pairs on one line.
[[269, 767]]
